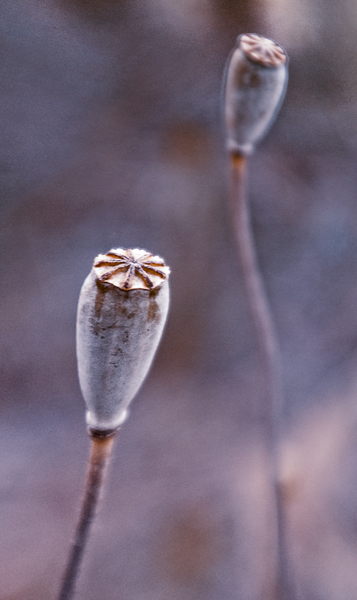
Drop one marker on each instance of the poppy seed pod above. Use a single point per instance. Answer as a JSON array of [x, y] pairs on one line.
[[255, 83], [122, 310]]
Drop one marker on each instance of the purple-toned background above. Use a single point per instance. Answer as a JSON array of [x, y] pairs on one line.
[[111, 136]]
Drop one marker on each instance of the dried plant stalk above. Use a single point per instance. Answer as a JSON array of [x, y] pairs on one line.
[[271, 371], [99, 458]]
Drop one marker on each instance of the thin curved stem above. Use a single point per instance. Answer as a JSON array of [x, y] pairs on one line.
[[98, 461], [271, 367]]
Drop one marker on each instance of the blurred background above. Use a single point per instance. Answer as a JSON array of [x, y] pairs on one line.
[[111, 136]]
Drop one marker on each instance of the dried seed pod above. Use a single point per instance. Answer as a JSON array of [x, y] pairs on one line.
[[122, 310], [255, 84]]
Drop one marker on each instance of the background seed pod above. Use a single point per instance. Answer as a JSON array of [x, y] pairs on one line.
[[256, 79]]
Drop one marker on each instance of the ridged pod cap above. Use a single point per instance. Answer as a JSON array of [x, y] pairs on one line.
[[122, 310], [255, 84]]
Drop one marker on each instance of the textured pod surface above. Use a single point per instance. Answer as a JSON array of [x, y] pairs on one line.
[[118, 332], [256, 79]]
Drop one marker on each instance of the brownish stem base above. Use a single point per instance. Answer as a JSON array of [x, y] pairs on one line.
[[100, 453]]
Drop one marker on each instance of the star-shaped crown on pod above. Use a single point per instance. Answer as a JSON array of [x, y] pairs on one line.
[[131, 269], [262, 50]]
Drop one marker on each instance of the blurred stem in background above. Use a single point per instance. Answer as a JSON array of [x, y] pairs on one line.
[[248, 15], [282, 588]]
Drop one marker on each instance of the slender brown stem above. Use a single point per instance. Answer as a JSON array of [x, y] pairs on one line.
[[98, 462], [271, 367]]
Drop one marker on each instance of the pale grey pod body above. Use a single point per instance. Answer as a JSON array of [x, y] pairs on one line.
[[118, 332], [256, 79]]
